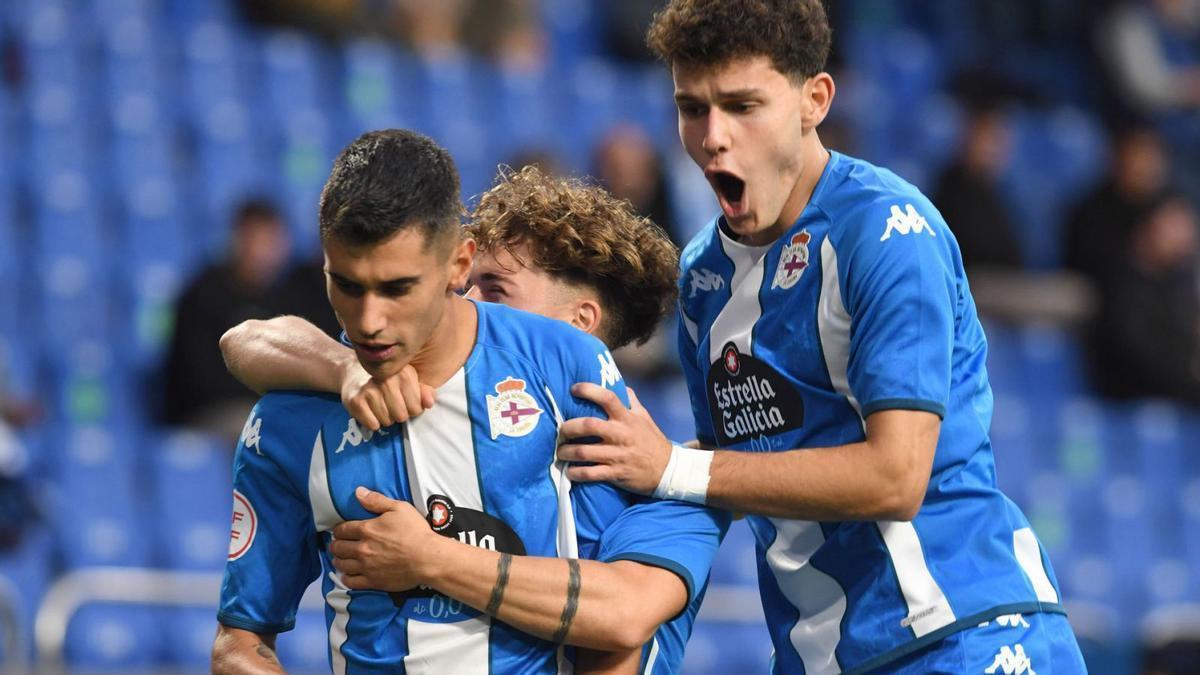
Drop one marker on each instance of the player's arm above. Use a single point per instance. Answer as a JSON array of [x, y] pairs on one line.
[[241, 652], [288, 352], [881, 478], [605, 606]]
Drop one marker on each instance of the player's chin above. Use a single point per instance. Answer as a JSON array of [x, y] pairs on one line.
[[382, 370]]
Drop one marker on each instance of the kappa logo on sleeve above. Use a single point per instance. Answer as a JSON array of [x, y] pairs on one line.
[[512, 412], [1011, 661], [906, 221], [705, 280], [245, 526], [609, 374], [252, 433]]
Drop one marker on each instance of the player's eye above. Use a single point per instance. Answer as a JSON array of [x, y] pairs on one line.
[[347, 288], [395, 291], [691, 110], [740, 108]]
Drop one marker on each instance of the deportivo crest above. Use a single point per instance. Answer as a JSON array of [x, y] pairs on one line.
[[793, 261], [512, 412]]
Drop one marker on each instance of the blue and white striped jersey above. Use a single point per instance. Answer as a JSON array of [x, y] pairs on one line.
[[480, 464], [862, 305]]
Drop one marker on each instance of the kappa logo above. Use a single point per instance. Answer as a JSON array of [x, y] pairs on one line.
[[792, 261], [512, 412], [355, 435], [906, 221], [705, 280], [1011, 662], [609, 375], [252, 433], [244, 527]]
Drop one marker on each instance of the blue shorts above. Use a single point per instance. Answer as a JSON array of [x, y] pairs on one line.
[[1016, 644]]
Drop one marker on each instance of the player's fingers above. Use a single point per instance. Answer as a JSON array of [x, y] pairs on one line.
[[348, 565], [376, 399], [410, 389], [360, 411], [585, 452], [428, 396], [587, 427], [375, 502], [393, 399], [346, 549], [351, 530], [635, 404], [589, 474], [355, 582], [601, 396]]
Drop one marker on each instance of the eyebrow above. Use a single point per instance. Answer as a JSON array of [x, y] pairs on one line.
[[736, 94], [398, 281], [491, 276]]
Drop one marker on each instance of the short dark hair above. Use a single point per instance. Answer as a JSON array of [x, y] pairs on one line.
[[386, 181], [793, 34], [581, 234]]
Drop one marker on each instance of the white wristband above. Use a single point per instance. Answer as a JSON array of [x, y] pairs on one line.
[[686, 476]]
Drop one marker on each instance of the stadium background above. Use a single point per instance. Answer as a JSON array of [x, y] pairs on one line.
[[130, 128]]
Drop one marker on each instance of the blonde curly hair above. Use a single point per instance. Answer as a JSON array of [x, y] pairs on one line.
[[581, 234]]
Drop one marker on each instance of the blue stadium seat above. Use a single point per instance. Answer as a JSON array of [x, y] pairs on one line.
[[574, 30], [380, 88], [295, 72], [736, 563], [720, 648], [527, 113], [191, 492], [25, 574], [212, 67], [115, 637], [188, 636], [306, 155], [305, 648], [98, 507]]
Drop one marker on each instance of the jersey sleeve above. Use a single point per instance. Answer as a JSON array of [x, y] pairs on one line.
[[272, 551], [901, 293], [595, 505], [695, 378], [677, 536]]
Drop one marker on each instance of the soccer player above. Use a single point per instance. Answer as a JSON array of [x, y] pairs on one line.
[[658, 553], [835, 360]]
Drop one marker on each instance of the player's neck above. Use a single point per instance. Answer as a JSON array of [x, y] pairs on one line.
[[815, 159], [449, 345]]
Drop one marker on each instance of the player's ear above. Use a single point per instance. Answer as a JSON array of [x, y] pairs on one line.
[[586, 315], [818, 92], [461, 258]]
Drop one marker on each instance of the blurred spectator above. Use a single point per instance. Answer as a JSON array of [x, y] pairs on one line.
[[1100, 223], [628, 165], [17, 510], [1153, 50], [543, 159], [1146, 339], [303, 293], [199, 391], [624, 28], [968, 192]]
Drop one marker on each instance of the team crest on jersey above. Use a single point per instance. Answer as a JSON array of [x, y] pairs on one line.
[[441, 512], [793, 261], [245, 526], [512, 412]]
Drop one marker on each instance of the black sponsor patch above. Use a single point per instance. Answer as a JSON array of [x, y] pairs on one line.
[[469, 526], [748, 399]]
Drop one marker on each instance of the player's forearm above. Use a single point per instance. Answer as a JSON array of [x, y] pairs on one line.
[[240, 652], [605, 606], [594, 662], [286, 352]]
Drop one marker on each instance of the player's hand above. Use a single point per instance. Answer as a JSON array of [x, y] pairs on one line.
[[385, 553], [382, 403], [631, 452]]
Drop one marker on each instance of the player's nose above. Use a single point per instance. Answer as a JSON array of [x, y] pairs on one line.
[[716, 133]]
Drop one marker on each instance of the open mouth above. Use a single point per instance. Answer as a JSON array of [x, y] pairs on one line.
[[730, 191]]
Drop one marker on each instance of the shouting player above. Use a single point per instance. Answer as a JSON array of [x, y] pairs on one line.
[[570, 252], [840, 370]]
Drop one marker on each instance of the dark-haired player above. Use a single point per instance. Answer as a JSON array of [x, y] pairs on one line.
[[479, 464], [839, 366]]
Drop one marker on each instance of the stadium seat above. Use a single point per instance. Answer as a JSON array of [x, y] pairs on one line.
[[295, 74], [379, 86], [305, 649], [735, 563], [191, 493], [115, 637], [306, 154], [719, 648]]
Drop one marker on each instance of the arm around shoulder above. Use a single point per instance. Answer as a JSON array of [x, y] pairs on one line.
[[241, 652], [286, 352]]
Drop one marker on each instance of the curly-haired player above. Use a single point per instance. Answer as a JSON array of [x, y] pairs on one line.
[[837, 366], [569, 251]]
